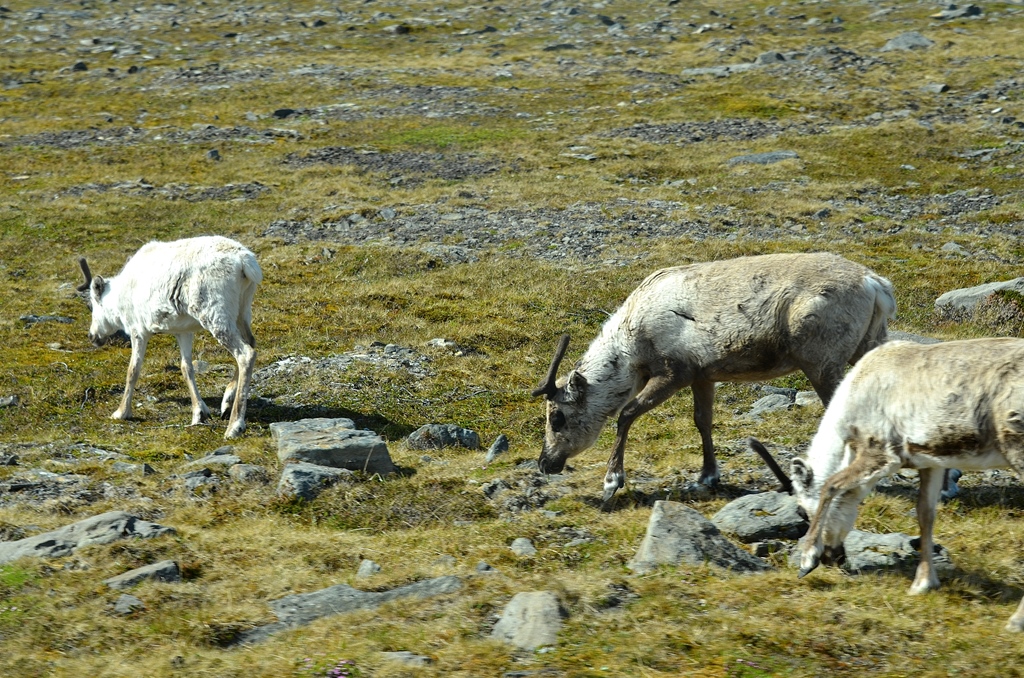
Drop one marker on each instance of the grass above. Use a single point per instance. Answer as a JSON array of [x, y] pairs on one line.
[[241, 547]]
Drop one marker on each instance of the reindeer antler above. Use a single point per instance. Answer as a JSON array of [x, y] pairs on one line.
[[762, 451], [547, 387], [88, 275]]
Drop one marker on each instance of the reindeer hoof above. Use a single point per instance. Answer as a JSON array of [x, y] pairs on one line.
[[808, 563], [804, 571], [234, 431], [606, 498], [709, 479], [225, 412]]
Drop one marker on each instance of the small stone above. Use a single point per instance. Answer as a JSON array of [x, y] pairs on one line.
[[955, 248], [387, 214], [498, 447], [128, 604], [367, 569], [407, 658], [523, 547], [770, 58], [530, 620], [248, 473], [307, 481], [935, 88], [436, 436], [10, 401], [397, 29], [907, 41], [137, 469], [166, 571], [283, 113], [484, 567], [213, 154], [8, 460], [80, 66]]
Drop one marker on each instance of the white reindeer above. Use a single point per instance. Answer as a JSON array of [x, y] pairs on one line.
[[744, 319], [907, 405], [179, 288]]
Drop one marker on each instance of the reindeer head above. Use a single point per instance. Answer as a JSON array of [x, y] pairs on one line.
[[105, 323], [571, 425]]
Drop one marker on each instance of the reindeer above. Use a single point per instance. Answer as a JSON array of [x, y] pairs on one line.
[[179, 288], [744, 319], [907, 405]]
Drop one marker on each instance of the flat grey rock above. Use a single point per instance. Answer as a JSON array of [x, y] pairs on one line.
[[127, 604], [248, 473], [965, 299], [222, 456], [523, 547], [437, 436], [868, 552], [331, 442], [897, 335], [165, 570], [757, 517], [101, 529], [678, 534], [907, 41], [719, 71], [302, 608], [307, 481], [530, 620], [769, 158], [770, 403]]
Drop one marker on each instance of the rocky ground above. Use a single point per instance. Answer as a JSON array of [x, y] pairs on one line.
[[435, 192]]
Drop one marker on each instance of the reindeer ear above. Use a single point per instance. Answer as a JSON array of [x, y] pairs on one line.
[[97, 285], [801, 473], [577, 385]]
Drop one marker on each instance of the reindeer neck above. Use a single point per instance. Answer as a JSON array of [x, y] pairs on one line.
[[609, 373]]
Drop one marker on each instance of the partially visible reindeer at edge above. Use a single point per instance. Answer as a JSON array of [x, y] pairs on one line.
[[906, 405], [744, 319], [179, 288]]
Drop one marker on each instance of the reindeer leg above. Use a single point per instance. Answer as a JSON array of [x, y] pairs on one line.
[[927, 497], [657, 390], [200, 412], [245, 356], [703, 407], [139, 343], [227, 402], [1013, 450]]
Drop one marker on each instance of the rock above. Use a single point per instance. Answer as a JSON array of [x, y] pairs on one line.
[[964, 300], [907, 41], [678, 534], [806, 399], [201, 478], [302, 608], [532, 619], [770, 58], [718, 71], [757, 517], [127, 605], [8, 460], [35, 319], [307, 481], [954, 12], [101, 529], [213, 154], [165, 570], [523, 547], [867, 552], [136, 469], [484, 567], [769, 158], [10, 401], [80, 66], [954, 248], [397, 29], [222, 456], [367, 569], [248, 473], [898, 335], [407, 658], [498, 447], [935, 88], [331, 442], [436, 436], [283, 113], [770, 403]]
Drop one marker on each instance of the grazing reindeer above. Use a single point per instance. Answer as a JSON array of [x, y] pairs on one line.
[[744, 319], [179, 288], [907, 405]]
